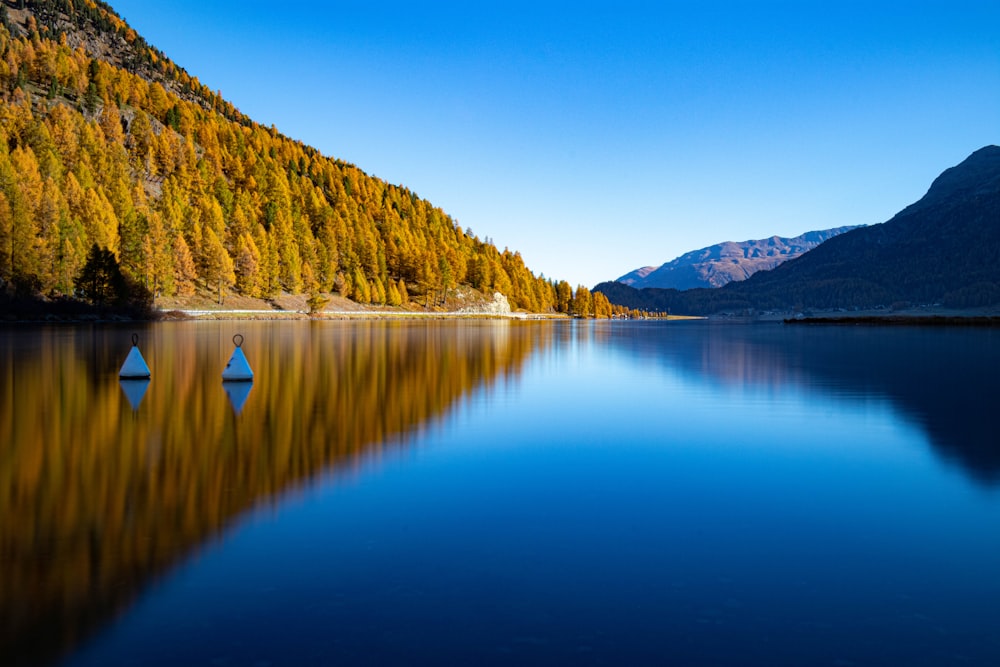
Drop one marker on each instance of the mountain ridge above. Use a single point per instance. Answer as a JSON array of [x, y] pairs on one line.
[[722, 263]]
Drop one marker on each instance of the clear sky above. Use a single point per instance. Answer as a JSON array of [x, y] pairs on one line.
[[596, 138]]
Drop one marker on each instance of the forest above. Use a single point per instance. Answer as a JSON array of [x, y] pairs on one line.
[[129, 154]]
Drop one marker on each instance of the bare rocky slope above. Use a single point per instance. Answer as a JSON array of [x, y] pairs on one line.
[[726, 262]]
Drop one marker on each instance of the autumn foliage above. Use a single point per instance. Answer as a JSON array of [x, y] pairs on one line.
[[139, 158]]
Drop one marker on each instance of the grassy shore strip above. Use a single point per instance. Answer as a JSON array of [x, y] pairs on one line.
[[189, 314], [346, 315], [904, 320]]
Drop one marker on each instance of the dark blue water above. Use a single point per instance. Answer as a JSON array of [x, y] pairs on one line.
[[618, 493]]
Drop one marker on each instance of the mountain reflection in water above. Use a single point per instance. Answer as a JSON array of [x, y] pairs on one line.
[[945, 380], [99, 497]]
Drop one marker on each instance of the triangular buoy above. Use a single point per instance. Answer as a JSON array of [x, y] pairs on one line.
[[238, 369], [237, 392], [134, 390], [135, 366]]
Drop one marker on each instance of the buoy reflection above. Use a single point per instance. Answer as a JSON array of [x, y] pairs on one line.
[[237, 392], [134, 391]]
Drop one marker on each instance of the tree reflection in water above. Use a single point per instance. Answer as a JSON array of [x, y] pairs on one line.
[[98, 498]]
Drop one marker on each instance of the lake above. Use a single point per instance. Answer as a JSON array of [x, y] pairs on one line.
[[495, 492]]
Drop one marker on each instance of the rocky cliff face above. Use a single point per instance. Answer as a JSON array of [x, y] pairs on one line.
[[723, 263]]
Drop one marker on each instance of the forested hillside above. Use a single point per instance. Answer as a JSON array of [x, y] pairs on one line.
[[104, 141]]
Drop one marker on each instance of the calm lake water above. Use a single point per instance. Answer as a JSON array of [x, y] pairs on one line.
[[501, 493]]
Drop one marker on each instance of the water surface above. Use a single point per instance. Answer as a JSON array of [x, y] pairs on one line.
[[501, 493]]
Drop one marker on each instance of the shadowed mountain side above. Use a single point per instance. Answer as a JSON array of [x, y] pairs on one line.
[[944, 249], [727, 262], [99, 500], [944, 380]]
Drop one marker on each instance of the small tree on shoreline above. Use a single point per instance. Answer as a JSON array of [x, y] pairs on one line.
[[101, 281]]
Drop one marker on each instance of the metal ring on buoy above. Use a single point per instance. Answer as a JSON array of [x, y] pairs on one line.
[[240, 343], [135, 340]]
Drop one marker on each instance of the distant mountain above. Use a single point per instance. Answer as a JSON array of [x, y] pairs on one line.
[[943, 249], [723, 263]]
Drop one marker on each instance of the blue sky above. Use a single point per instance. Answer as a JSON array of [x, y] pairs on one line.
[[596, 138]]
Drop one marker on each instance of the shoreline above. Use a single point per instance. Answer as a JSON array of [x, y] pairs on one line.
[[465, 306], [903, 320], [186, 314], [193, 315], [249, 314]]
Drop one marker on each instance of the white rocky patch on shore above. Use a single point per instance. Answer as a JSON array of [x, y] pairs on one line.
[[498, 306]]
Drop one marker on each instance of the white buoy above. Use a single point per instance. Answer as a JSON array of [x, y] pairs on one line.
[[135, 366], [238, 369]]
